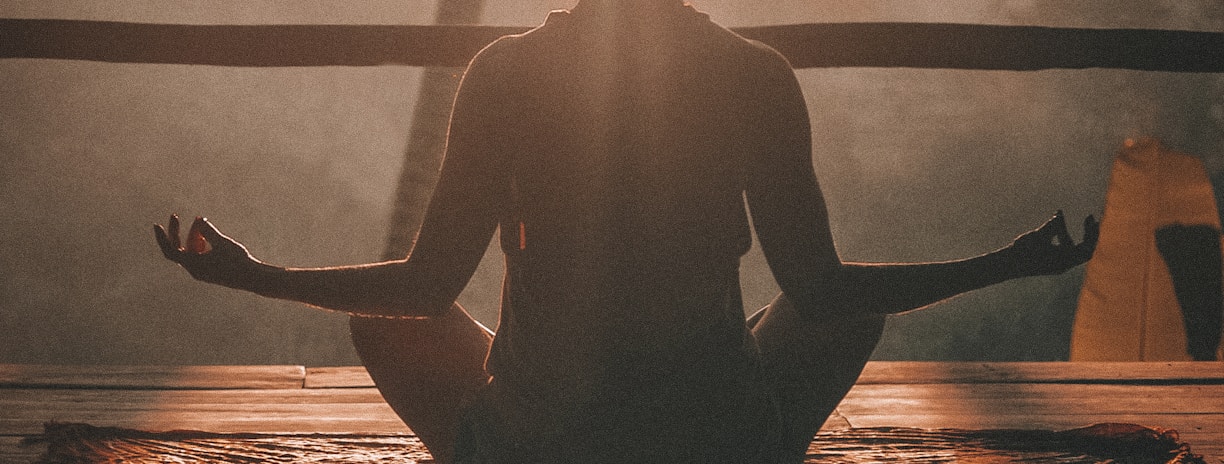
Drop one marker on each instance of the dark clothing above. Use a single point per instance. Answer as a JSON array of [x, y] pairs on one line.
[[615, 157]]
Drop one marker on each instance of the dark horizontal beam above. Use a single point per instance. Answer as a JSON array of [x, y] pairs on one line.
[[968, 46], [252, 46], [910, 45]]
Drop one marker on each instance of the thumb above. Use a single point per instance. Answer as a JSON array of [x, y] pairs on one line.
[[215, 239], [1092, 233], [208, 230]]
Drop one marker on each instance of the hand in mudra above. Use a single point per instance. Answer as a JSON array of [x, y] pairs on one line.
[[1050, 250], [208, 255]]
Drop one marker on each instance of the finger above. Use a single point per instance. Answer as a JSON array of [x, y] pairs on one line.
[[174, 232], [1092, 233], [163, 242], [208, 229], [1064, 237], [1092, 228]]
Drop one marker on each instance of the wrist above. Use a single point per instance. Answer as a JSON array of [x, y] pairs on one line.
[[260, 278], [1004, 263]]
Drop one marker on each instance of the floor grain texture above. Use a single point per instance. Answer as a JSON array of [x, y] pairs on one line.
[[1188, 397]]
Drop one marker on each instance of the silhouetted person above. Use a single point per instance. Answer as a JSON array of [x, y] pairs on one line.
[[613, 148]]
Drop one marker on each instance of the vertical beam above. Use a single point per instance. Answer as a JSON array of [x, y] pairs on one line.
[[427, 137]]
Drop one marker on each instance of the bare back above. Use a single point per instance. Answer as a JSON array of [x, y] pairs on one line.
[[615, 158]]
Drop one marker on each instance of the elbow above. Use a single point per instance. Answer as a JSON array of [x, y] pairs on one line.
[[832, 293], [418, 307]]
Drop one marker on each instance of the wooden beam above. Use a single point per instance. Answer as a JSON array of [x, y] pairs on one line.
[[911, 45], [986, 47], [245, 46]]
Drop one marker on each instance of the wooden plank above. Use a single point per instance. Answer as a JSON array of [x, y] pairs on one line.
[[241, 411], [876, 372], [1207, 446], [226, 424], [296, 424], [920, 45], [12, 451], [52, 397], [1029, 399], [131, 408], [1202, 432], [28, 408], [1031, 405], [299, 418], [1071, 392], [338, 377], [852, 409], [835, 422], [356, 419], [25, 410], [919, 372], [1185, 424], [928, 372], [160, 377]]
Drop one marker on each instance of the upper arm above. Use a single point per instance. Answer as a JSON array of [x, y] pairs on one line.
[[787, 207], [463, 209]]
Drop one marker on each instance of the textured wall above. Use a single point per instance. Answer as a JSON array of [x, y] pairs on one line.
[[301, 165]]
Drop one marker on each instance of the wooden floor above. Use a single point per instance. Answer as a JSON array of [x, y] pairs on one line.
[[1188, 397]]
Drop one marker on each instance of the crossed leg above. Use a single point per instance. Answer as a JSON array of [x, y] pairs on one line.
[[428, 370], [811, 365]]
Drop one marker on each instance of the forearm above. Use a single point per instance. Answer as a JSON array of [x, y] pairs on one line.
[[888, 288], [824, 285], [386, 289]]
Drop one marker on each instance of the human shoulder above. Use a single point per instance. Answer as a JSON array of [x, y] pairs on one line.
[[509, 47], [495, 53], [752, 53], [768, 58]]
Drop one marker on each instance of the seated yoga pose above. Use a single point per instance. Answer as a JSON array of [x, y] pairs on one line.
[[621, 150]]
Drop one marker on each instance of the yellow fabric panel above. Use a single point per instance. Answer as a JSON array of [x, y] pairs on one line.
[[1127, 309]]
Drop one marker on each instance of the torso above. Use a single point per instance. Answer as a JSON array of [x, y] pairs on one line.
[[627, 154]]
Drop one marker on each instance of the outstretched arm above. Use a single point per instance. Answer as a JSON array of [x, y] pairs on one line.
[[791, 221], [893, 288], [417, 287], [458, 224], [794, 234]]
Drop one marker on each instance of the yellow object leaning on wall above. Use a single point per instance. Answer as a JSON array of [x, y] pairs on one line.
[[1128, 310]]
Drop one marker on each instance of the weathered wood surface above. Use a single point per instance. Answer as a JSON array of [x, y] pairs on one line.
[[1188, 397], [917, 372], [917, 45], [154, 377], [901, 372], [338, 377]]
